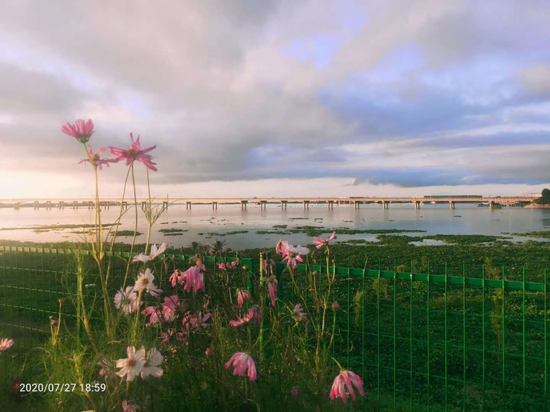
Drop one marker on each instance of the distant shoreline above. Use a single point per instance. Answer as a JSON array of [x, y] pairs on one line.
[[536, 206]]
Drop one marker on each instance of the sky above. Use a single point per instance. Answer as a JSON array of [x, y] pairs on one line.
[[279, 97]]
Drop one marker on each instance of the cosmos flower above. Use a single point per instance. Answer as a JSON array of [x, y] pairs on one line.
[[193, 279], [293, 254], [145, 282], [154, 319], [299, 313], [5, 344], [154, 253], [242, 362], [281, 247], [132, 365], [133, 153], [95, 158], [153, 360], [320, 242], [169, 308], [81, 130], [194, 323], [272, 288], [242, 296], [126, 300], [344, 381], [126, 407]]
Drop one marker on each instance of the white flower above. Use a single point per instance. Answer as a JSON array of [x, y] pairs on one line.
[[133, 365], [299, 250], [153, 361], [154, 253], [127, 300], [145, 282]]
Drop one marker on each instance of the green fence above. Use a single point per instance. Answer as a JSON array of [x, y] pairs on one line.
[[442, 342], [462, 341]]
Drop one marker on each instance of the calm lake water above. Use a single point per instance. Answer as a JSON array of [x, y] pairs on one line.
[[202, 220]]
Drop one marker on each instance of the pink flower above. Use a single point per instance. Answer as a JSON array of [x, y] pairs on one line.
[[240, 321], [95, 158], [126, 300], [153, 360], [268, 266], [169, 308], [243, 295], [255, 314], [221, 266], [293, 254], [154, 253], [242, 362], [126, 407], [320, 242], [272, 288], [5, 344], [166, 336], [151, 311], [133, 153], [145, 282], [335, 305], [81, 130], [345, 380], [131, 366], [175, 277], [53, 322], [299, 313], [195, 323], [294, 392], [193, 279], [208, 352], [281, 247]]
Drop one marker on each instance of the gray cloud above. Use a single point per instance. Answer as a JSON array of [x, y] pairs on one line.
[[211, 84]]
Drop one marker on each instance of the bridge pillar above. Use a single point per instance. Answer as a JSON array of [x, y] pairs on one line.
[[48, 204], [385, 204], [492, 204], [243, 204], [417, 205], [330, 204], [165, 204], [214, 205], [356, 204], [61, 204], [75, 204], [451, 204], [306, 204], [263, 204], [36, 204]]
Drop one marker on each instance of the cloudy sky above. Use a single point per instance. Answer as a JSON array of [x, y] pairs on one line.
[[282, 97]]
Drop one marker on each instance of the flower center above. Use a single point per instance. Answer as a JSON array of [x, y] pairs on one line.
[[132, 152], [131, 363], [145, 281], [95, 157]]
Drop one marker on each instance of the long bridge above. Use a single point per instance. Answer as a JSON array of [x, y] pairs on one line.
[[417, 201]]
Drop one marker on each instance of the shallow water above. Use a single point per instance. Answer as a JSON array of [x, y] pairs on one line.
[[433, 219]]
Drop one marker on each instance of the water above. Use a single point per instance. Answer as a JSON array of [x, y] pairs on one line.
[[201, 219]]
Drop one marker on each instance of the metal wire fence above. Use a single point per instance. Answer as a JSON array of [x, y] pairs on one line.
[[420, 341]]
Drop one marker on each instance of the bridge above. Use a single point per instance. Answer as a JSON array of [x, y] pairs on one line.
[[417, 201]]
